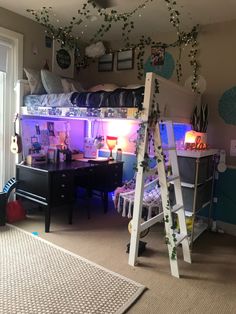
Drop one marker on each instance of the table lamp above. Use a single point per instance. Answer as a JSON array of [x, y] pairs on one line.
[[111, 143]]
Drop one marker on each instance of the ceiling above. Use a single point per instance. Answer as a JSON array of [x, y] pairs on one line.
[[154, 18]]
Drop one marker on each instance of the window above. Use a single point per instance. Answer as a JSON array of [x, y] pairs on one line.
[[11, 66]]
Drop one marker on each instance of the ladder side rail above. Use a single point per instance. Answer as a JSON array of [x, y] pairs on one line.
[[178, 192], [174, 163], [139, 186], [165, 202]]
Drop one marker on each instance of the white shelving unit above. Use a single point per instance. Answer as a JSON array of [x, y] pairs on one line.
[[197, 180]]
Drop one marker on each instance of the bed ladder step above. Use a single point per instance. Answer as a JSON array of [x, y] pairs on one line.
[[176, 208]]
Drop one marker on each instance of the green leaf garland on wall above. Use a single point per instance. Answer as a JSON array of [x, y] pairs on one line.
[[227, 106], [166, 70]]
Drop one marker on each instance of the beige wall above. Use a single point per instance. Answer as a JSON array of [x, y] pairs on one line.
[[218, 60], [34, 36], [217, 57]]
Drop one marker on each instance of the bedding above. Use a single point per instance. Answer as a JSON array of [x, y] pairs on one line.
[[119, 98]]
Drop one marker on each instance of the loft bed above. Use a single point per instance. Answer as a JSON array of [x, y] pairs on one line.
[[176, 102]]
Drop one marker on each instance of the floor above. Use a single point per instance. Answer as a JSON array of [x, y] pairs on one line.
[[207, 285]]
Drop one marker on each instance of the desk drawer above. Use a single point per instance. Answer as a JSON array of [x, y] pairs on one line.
[[62, 187]]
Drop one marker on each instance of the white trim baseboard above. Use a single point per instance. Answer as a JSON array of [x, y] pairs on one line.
[[226, 227]]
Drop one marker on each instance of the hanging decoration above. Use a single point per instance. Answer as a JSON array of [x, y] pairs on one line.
[[95, 50], [64, 34]]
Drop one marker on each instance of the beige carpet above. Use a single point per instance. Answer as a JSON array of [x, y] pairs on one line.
[[208, 285], [39, 277]]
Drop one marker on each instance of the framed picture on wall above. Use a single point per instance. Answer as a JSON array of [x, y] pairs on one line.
[[105, 63], [157, 56], [62, 60], [125, 60]]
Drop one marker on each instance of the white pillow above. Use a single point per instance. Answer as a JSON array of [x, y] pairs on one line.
[[70, 85], [104, 87], [51, 82], [133, 86]]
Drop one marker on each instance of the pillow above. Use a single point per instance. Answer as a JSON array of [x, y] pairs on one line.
[[133, 86], [35, 82], [105, 87], [70, 85], [51, 82]]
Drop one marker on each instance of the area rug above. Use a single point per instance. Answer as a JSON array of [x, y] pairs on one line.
[[39, 277]]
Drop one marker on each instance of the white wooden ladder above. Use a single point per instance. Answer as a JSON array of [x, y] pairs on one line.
[[173, 238]]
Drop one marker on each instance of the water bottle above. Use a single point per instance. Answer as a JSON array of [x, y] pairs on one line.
[[119, 154]]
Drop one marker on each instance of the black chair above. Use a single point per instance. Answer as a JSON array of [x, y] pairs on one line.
[[4, 195], [94, 182]]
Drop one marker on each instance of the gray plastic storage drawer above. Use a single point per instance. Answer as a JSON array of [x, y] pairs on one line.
[[203, 196], [187, 169]]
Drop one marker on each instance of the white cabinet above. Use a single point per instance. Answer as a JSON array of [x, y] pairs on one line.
[[197, 180]]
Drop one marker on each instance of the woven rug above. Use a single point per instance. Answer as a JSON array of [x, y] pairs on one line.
[[39, 277]]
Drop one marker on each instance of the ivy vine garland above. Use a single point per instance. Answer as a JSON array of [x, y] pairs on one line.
[[64, 34]]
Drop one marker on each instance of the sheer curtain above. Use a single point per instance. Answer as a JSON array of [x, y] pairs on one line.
[[11, 61]]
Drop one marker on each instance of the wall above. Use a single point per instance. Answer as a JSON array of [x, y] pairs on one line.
[[34, 37]]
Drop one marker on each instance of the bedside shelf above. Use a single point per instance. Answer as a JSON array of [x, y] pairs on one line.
[[199, 228]]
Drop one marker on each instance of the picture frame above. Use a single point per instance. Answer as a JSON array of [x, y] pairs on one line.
[[50, 127], [63, 60], [125, 60], [157, 56], [105, 63]]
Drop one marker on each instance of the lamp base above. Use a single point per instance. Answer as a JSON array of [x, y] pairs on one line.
[[110, 158]]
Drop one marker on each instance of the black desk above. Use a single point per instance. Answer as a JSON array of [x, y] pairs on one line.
[[52, 185]]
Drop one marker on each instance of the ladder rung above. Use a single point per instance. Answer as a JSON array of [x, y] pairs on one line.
[[177, 207], [172, 178], [180, 237]]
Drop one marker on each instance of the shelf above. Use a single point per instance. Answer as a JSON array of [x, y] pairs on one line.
[[187, 185], [196, 153], [199, 228], [188, 213], [106, 114]]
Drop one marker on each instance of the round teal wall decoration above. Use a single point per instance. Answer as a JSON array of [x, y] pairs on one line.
[[227, 106], [166, 70]]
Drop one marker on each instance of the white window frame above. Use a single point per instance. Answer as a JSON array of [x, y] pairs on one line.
[[10, 104]]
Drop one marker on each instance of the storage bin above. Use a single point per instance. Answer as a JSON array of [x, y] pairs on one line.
[[203, 196], [187, 169]]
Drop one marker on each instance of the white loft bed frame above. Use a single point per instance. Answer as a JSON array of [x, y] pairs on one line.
[[176, 104]]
